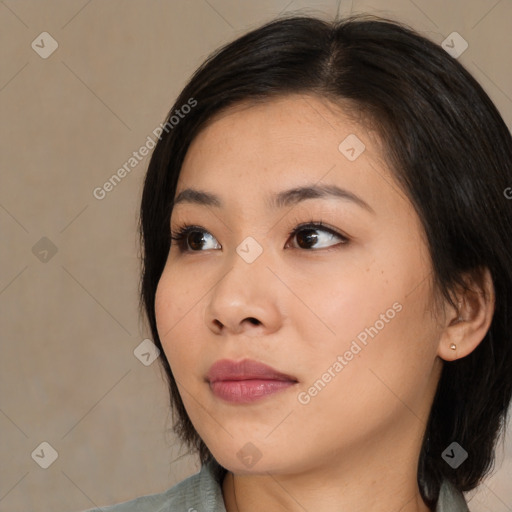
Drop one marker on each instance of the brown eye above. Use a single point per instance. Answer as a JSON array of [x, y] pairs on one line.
[[195, 239], [191, 238], [308, 236]]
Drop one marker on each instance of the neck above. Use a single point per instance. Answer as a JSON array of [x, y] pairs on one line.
[[369, 486]]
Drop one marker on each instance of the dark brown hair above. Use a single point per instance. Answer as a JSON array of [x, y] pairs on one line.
[[451, 153]]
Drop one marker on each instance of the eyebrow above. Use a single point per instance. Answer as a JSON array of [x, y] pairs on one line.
[[282, 199]]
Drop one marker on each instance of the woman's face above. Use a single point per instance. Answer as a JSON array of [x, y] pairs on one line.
[[345, 309]]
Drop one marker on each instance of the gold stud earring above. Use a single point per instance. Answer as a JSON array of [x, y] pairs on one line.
[[453, 346]]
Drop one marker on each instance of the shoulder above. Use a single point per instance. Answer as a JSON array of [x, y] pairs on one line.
[[199, 492], [450, 499]]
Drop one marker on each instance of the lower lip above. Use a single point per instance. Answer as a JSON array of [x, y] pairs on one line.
[[246, 391]]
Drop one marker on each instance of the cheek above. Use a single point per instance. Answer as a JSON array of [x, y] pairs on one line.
[[394, 360], [375, 382], [348, 298], [177, 300], [378, 319], [164, 308], [175, 306]]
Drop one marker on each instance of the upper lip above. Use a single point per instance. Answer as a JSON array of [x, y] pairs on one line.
[[247, 369]]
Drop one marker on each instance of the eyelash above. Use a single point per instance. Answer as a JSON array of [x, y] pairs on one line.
[[180, 234]]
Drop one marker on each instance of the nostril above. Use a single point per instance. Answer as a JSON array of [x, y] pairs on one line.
[[253, 320]]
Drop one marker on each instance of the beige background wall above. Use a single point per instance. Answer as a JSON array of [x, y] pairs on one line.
[[69, 325]]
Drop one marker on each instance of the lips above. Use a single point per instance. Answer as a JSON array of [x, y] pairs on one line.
[[246, 381], [247, 369]]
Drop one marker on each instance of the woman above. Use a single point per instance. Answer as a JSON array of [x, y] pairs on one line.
[[328, 271]]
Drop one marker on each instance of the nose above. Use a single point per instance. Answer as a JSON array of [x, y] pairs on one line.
[[247, 298]]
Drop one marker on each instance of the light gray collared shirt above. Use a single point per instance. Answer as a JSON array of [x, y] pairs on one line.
[[202, 492]]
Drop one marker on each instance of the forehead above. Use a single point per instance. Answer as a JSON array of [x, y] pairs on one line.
[[299, 133]]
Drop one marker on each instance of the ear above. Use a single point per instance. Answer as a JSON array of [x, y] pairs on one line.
[[465, 327]]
